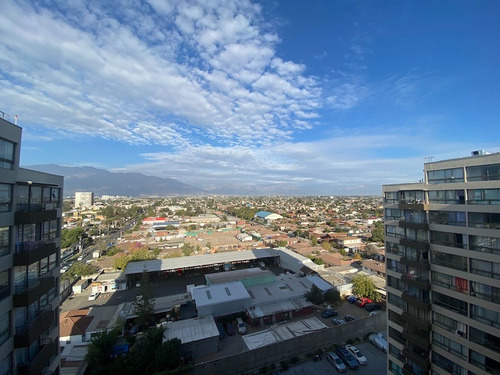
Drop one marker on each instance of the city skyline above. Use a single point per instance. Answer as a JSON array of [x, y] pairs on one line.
[[337, 98]]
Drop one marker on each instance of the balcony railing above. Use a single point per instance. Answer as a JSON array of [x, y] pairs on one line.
[[26, 247], [25, 334], [42, 359], [27, 294], [34, 207], [417, 301], [414, 280]]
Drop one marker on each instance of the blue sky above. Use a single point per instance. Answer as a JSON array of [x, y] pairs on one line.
[[330, 97]]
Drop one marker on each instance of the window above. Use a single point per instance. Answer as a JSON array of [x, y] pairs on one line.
[[483, 172], [486, 316], [4, 241], [413, 196], [485, 244], [393, 231], [449, 324], [4, 327], [445, 176], [413, 216], [483, 196], [484, 363], [450, 303], [450, 282], [484, 220], [484, 268], [6, 154], [485, 339], [394, 368], [4, 285], [449, 239], [391, 197], [449, 345], [447, 364], [396, 301], [447, 196], [456, 218], [486, 292], [5, 197], [392, 214], [448, 260]]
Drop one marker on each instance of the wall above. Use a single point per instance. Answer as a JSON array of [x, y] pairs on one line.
[[299, 346]]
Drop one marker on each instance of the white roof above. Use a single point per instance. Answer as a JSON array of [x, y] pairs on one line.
[[172, 264], [219, 293], [286, 287], [319, 282], [190, 330]]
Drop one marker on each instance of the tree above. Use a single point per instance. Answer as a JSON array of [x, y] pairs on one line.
[[144, 304], [332, 295], [121, 261], [98, 354], [314, 241], [187, 249], [357, 256], [371, 251], [378, 232], [281, 243], [79, 269], [71, 236], [326, 245], [363, 285], [315, 295]]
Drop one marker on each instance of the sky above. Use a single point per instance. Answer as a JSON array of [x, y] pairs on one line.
[[325, 97]]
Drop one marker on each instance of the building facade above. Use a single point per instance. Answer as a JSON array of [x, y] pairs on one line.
[[30, 242], [84, 199], [443, 269]]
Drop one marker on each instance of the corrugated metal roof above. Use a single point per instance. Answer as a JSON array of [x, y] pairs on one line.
[[190, 330], [173, 264], [219, 293]]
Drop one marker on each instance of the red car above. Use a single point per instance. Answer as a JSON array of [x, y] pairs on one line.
[[361, 302]]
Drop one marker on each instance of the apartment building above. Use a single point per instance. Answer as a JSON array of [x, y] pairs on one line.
[[30, 227], [443, 269], [84, 199]]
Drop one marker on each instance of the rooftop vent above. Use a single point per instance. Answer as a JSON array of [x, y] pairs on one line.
[[479, 152]]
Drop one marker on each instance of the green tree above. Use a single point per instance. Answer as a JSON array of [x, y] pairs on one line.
[[362, 285], [332, 295], [187, 249], [326, 245], [314, 241], [378, 232], [144, 304], [315, 295], [192, 227], [121, 261], [79, 269], [98, 355], [282, 243], [71, 236]]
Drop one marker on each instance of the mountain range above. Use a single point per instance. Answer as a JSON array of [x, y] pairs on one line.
[[101, 181]]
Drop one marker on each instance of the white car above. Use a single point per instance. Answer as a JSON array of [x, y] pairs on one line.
[[94, 296], [357, 354]]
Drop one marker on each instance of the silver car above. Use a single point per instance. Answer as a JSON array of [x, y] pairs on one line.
[[336, 362]]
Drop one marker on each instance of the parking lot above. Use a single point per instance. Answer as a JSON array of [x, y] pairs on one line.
[[377, 363]]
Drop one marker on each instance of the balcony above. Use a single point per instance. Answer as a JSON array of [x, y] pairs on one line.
[[41, 360], [35, 213], [409, 224], [421, 361], [416, 339], [417, 204], [416, 281], [416, 322], [419, 245], [416, 301], [26, 295], [30, 252], [421, 264], [27, 333]]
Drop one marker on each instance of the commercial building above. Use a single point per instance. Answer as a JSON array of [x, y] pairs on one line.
[[443, 268], [30, 242], [84, 199]]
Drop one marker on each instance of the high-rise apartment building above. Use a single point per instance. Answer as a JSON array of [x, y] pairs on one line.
[[84, 199], [30, 227], [443, 269]]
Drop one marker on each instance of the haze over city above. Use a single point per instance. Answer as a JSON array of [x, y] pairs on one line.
[[334, 97]]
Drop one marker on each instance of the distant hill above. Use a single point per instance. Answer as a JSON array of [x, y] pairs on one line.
[[101, 181]]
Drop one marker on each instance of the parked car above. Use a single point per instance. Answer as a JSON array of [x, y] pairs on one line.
[[231, 331], [347, 357], [372, 307], [363, 301], [336, 362], [80, 258], [350, 318], [376, 312], [352, 299], [94, 296], [328, 313], [242, 328], [222, 332], [337, 322], [357, 354], [379, 341]]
